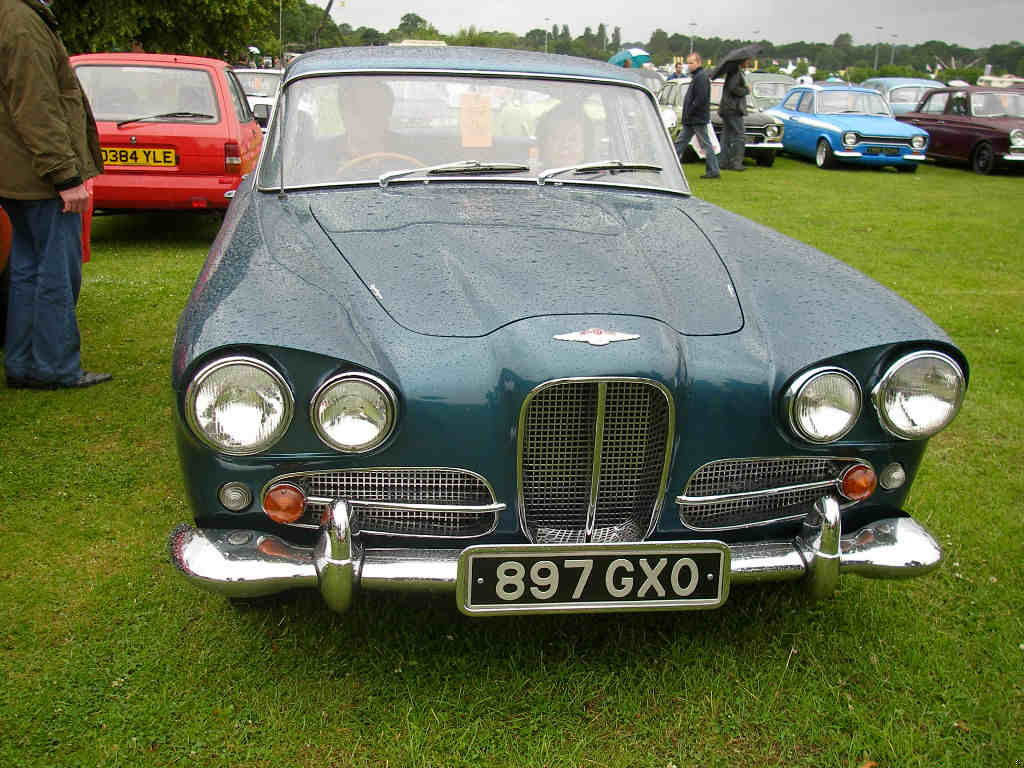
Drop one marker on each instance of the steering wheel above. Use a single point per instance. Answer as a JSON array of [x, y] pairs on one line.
[[361, 159]]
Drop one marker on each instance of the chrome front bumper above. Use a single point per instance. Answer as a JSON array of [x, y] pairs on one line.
[[240, 563]]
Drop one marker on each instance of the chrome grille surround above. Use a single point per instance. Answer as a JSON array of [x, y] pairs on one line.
[[736, 493], [402, 501], [593, 458]]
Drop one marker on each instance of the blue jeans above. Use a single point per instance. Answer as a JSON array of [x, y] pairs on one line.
[[42, 340], [704, 139]]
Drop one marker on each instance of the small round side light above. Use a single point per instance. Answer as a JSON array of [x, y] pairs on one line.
[[235, 496], [284, 503], [858, 482], [893, 476]]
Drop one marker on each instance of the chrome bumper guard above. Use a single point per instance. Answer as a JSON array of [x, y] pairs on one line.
[[244, 564]]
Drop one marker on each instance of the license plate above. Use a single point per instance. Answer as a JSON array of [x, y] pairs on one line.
[[592, 578], [889, 151], [161, 157]]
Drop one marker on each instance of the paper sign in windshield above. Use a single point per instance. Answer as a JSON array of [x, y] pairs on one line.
[[477, 131]]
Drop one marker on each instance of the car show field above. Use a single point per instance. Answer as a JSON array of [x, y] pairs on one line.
[[110, 658]]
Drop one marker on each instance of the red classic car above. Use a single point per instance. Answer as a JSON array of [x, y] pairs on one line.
[[176, 131], [980, 126]]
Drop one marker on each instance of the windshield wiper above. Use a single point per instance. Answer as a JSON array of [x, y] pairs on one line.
[[459, 166], [604, 165], [196, 115]]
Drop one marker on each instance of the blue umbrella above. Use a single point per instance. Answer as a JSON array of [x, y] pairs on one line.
[[638, 56]]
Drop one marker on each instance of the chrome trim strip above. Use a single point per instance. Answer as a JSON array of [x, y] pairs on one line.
[[1013, 156], [839, 153], [386, 390], [754, 494], [206, 370], [496, 506], [663, 486], [595, 468], [765, 145]]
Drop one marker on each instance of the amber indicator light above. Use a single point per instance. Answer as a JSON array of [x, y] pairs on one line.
[[284, 503], [858, 482]]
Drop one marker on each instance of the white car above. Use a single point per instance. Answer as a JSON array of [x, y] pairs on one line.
[[260, 87]]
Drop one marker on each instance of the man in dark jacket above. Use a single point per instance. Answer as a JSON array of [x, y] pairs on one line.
[[697, 116], [49, 147], [731, 110]]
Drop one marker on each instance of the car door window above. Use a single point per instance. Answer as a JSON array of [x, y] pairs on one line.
[[959, 105], [238, 99], [936, 104], [792, 101], [807, 103]]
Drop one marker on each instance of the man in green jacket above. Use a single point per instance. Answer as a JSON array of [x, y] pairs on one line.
[[49, 147]]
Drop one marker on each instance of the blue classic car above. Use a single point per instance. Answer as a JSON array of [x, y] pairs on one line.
[[902, 93], [841, 123], [465, 329]]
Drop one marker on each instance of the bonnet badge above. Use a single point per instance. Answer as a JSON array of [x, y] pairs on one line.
[[597, 337]]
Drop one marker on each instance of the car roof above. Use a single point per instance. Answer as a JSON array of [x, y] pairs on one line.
[[980, 89], [892, 81], [836, 87], [257, 71], [430, 58], [146, 59]]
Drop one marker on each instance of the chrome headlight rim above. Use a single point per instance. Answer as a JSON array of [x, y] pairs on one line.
[[212, 367], [1017, 137], [374, 381], [892, 370], [918, 142], [771, 131], [796, 388], [850, 139]]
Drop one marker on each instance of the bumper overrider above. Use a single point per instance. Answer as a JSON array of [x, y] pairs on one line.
[[247, 564]]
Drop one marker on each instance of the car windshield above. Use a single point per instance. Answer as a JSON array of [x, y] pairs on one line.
[[358, 128], [992, 104], [177, 94], [768, 94], [907, 94], [259, 83], [857, 102]]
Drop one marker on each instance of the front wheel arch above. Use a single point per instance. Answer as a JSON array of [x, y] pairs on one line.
[[824, 156]]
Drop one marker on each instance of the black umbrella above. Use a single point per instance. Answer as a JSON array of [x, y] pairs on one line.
[[737, 56]]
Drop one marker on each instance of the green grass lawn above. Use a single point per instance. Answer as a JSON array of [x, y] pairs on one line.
[[109, 658]]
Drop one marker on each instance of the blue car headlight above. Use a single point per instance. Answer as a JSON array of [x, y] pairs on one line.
[[919, 394], [353, 412], [823, 404], [850, 139], [918, 142]]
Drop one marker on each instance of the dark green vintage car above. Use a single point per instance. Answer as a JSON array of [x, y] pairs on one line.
[[465, 329]]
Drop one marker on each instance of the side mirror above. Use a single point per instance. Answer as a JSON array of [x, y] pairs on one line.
[[262, 114]]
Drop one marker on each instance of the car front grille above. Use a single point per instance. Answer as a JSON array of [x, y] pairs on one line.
[[593, 459], [411, 501], [735, 493], [891, 140]]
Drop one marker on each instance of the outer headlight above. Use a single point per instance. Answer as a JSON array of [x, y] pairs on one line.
[[239, 405], [1017, 137], [353, 412], [918, 142], [849, 138], [823, 404], [919, 394], [771, 131]]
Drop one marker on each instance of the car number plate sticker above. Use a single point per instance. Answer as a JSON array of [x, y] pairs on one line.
[[592, 578], [162, 157]]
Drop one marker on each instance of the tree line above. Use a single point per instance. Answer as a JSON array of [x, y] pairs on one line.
[[226, 28]]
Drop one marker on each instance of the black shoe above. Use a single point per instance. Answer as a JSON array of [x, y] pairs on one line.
[[709, 176], [86, 379]]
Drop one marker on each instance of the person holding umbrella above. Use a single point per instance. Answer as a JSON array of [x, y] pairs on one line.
[[733, 105], [697, 116]]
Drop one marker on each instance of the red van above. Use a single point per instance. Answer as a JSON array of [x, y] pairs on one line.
[[176, 131]]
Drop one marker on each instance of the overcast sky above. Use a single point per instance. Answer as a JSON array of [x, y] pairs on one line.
[[973, 25]]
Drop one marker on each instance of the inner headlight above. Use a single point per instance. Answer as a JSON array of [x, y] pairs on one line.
[[918, 142], [824, 404], [771, 131], [1017, 137], [239, 405], [849, 138], [353, 412], [919, 394]]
